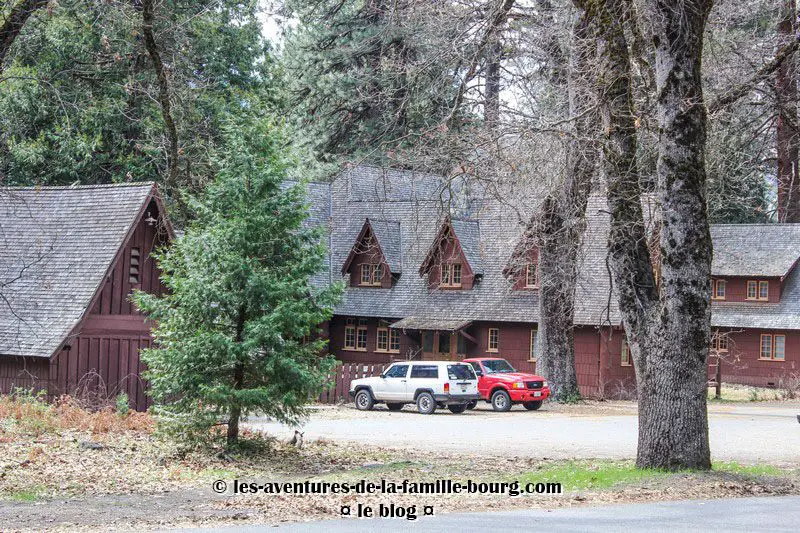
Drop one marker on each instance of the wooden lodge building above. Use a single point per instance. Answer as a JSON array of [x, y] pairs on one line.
[[437, 271], [434, 270], [69, 258]]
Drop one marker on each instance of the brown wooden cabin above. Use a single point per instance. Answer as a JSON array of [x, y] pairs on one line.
[[434, 271], [69, 259]]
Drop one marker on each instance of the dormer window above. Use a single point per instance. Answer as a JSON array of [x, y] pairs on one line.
[[133, 269], [718, 290], [531, 276], [758, 290], [371, 275], [451, 275], [375, 258]]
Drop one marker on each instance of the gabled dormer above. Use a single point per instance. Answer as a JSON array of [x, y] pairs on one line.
[[454, 261], [522, 269], [375, 259]]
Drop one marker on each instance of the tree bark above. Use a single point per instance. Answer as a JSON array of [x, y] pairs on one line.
[[238, 382], [561, 225], [14, 23], [668, 326], [491, 105], [787, 141], [163, 92]]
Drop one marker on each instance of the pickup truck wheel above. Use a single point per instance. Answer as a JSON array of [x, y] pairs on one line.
[[532, 406], [457, 408], [426, 405], [472, 405], [364, 400], [394, 406], [501, 401]]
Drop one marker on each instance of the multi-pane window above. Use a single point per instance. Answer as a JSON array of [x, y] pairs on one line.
[[533, 353], [625, 353], [758, 290], [371, 274], [719, 342], [531, 275], [773, 347], [719, 289], [763, 290], [361, 336], [387, 340], [494, 339], [355, 335], [451, 275], [133, 269], [350, 334]]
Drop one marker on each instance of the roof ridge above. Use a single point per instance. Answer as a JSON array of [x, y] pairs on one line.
[[82, 186]]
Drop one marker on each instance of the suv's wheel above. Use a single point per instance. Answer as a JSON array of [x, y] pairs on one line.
[[394, 406], [457, 408], [532, 406], [501, 401], [364, 400], [426, 405], [472, 405]]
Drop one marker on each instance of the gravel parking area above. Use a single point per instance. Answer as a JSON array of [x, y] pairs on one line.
[[588, 430]]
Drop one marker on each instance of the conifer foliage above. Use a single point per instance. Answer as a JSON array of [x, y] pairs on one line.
[[238, 330]]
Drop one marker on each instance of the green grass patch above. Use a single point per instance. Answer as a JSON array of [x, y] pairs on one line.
[[585, 475], [747, 470], [25, 496]]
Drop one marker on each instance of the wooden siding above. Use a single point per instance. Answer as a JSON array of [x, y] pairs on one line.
[[736, 289], [450, 252], [101, 358], [32, 373]]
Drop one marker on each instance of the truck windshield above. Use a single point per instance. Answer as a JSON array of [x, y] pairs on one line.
[[497, 366]]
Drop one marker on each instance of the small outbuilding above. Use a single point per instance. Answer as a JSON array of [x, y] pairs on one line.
[[69, 259]]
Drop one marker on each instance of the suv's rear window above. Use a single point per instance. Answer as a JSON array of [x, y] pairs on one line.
[[425, 371], [460, 372]]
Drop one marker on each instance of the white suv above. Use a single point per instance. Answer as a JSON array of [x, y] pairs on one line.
[[429, 384]]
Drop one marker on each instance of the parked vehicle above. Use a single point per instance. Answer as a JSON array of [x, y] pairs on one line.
[[502, 386], [429, 384]]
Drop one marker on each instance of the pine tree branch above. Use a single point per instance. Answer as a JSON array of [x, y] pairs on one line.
[[12, 25]]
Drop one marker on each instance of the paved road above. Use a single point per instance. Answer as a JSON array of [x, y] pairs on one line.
[[776, 514], [738, 432]]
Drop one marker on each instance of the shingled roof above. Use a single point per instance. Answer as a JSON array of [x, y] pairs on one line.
[[758, 250], [57, 245], [494, 231]]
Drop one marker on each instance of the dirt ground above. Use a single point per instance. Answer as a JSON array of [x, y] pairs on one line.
[[56, 479]]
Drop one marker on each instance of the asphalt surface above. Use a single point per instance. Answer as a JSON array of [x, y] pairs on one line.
[[738, 432], [772, 514]]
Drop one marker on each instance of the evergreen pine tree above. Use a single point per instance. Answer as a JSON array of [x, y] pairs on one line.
[[238, 331]]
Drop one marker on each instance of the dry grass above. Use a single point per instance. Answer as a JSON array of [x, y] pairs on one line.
[[33, 415]]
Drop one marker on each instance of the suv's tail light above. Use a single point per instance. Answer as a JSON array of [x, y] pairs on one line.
[[447, 387]]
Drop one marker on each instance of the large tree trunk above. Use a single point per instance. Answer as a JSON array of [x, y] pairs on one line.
[[667, 327], [561, 226], [13, 23], [148, 19], [787, 141]]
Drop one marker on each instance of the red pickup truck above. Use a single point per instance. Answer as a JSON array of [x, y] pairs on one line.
[[502, 386]]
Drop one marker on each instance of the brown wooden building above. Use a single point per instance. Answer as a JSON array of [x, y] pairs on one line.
[[438, 270], [69, 259]]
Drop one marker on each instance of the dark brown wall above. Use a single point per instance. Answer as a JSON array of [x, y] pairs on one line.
[[373, 256], [114, 297], [450, 252], [102, 357], [532, 256], [736, 289], [24, 373], [742, 364]]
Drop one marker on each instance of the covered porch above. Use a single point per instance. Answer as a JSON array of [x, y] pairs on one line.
[[438, 338]]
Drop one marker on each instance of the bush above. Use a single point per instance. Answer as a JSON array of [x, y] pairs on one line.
[[123, 404], [33, 414]]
